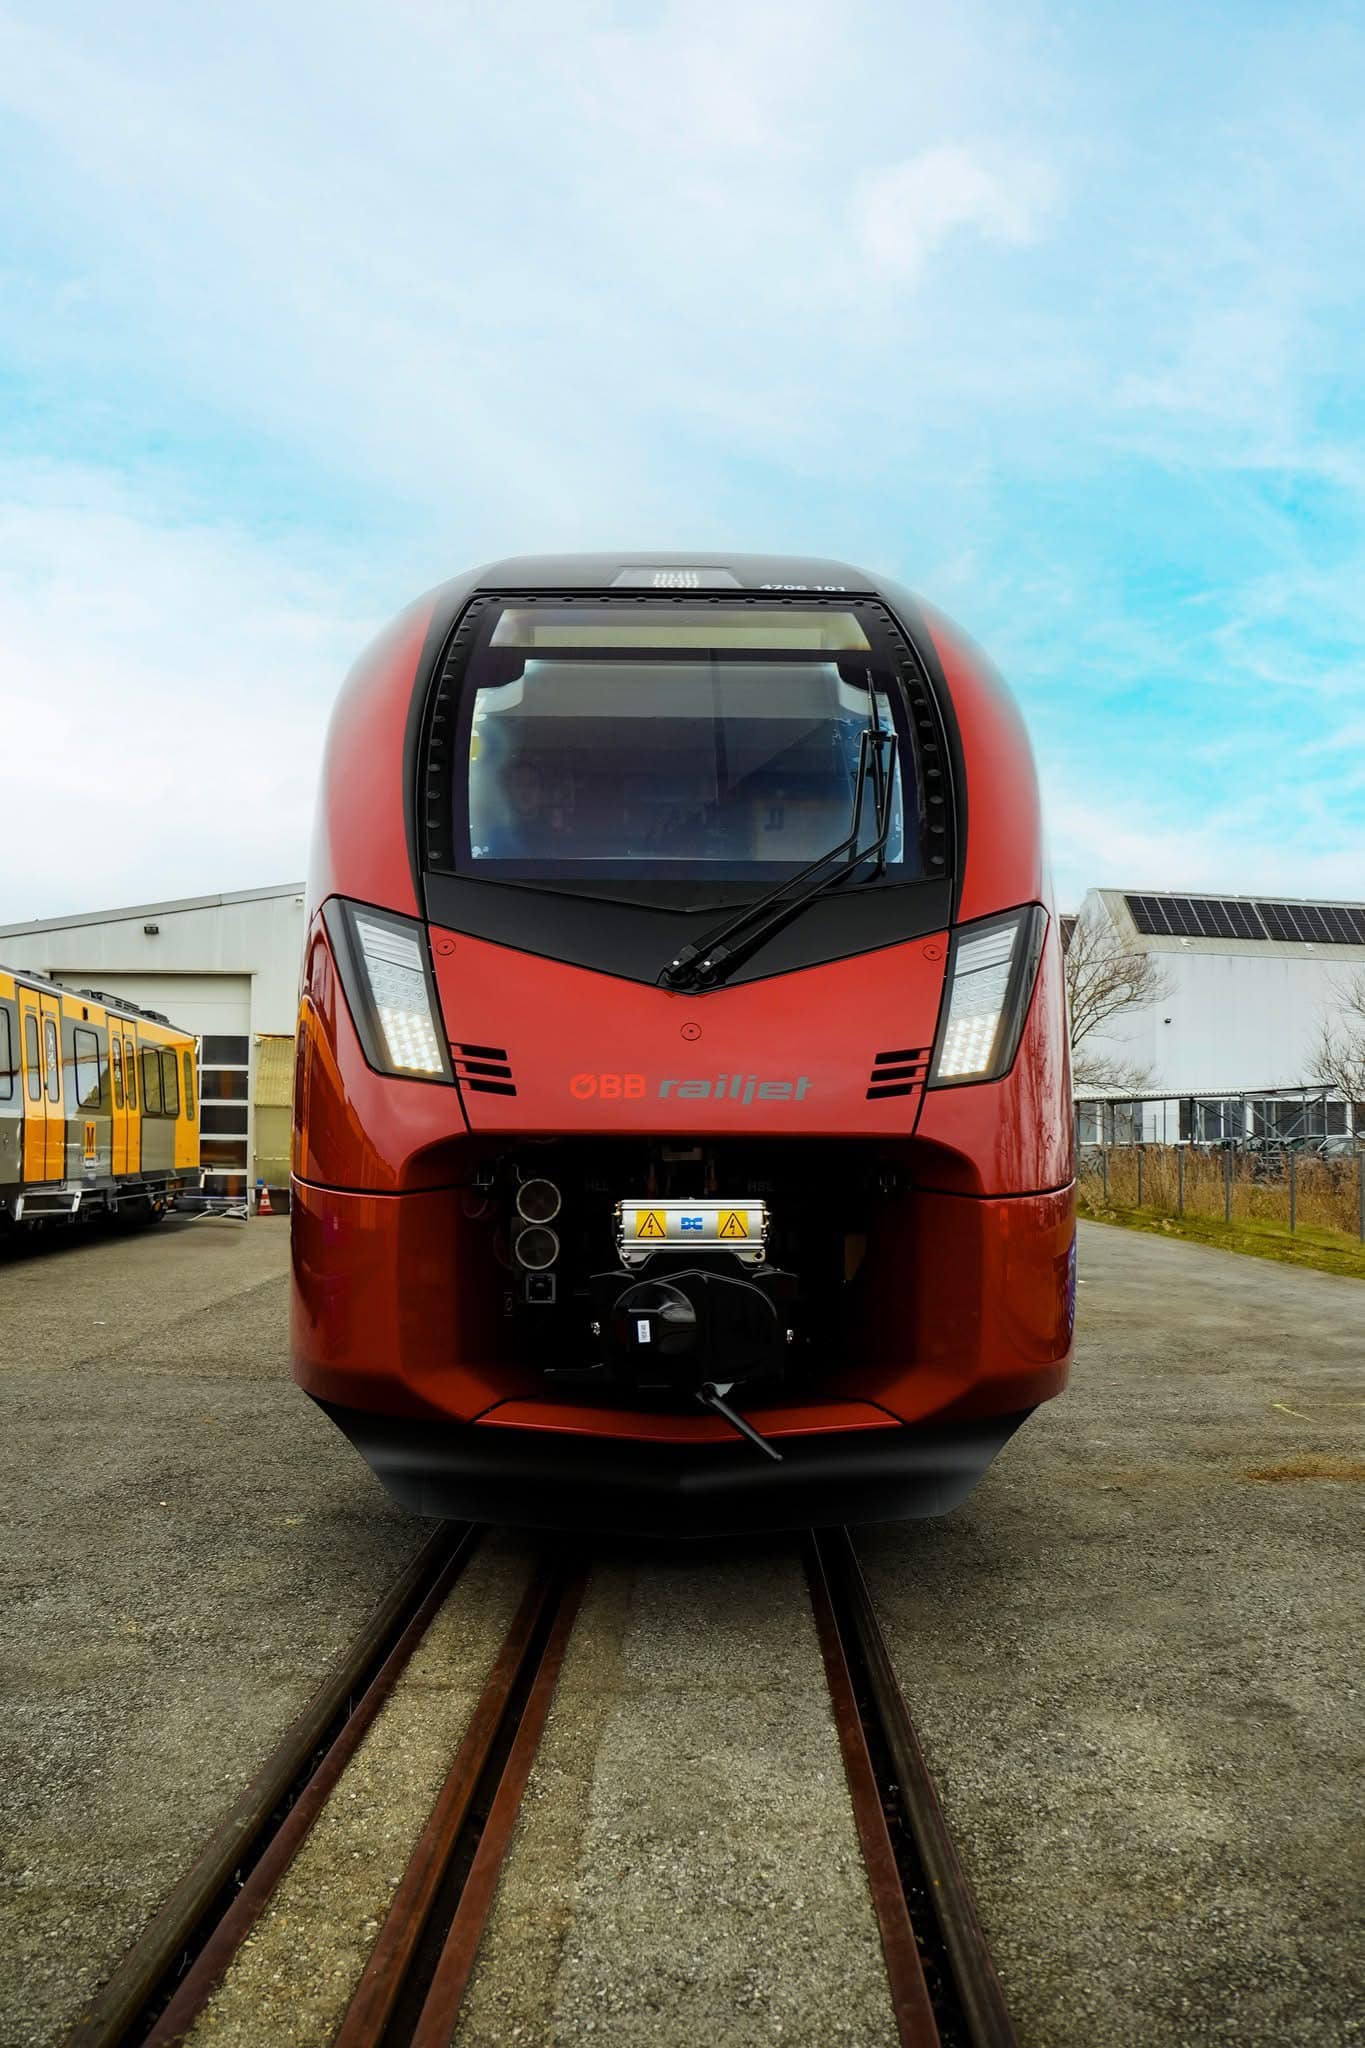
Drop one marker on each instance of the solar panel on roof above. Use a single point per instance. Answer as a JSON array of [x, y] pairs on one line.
[[1230, 917]]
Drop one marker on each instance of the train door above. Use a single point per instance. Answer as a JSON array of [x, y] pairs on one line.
[[133, 1096], [55, 1149], [120, 1100], [34, 1084]]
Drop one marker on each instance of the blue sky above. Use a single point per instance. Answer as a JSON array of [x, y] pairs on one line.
[[1054, 312]]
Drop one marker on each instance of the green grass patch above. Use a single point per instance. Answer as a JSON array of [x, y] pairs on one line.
[[1325, 1251]]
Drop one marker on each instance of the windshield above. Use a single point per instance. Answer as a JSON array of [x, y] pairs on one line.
[[692, 741]]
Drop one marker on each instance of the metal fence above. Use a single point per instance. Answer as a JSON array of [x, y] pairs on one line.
[[1259, 1120], [1285, 1184]]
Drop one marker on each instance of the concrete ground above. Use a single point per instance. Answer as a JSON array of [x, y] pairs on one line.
[[1134, 1660], [1130, 1654], [185, 1544]]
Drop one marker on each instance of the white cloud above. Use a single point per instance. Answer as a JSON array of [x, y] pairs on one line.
[[164, 688], [905, 213]]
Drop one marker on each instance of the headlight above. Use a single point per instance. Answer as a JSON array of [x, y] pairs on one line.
[[991, 971], [382, 961]]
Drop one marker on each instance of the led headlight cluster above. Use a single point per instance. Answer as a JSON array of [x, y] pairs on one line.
[[398, 989], [990, 980], [383, 965]]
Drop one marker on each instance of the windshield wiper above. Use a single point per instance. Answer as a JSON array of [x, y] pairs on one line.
[[708, 962]]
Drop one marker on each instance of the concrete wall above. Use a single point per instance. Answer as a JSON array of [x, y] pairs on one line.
[[1232, 1020], [258, 934]]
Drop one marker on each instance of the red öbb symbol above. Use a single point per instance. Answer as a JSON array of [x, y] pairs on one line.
[[607, 1087]]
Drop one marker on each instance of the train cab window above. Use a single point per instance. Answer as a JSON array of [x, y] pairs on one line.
[[151, 1081], [116, 1067], [692, 741], [33, 1059], [6, 1058], [170, 1084], [86, 1047], [187, 1067], [52, 1059], [130, 1068]]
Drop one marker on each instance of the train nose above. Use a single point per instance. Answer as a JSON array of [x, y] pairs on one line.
[[835, 1049]]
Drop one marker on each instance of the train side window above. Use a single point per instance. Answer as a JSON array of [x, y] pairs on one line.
[[130, 1064], [187, 1063], [87, 1064], [116, 1067], [170, 1084], [54, 1059], [6, 1058], [151, 1081], [35, 1078]]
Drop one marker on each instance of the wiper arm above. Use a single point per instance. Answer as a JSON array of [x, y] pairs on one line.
[[709, 961]]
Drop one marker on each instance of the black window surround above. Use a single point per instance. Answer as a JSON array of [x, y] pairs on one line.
[[629, 928]]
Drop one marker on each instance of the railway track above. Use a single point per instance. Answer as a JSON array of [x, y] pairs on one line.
[[943, 1986]]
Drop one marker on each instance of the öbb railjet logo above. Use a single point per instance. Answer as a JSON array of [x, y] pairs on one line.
[[740, 1088]]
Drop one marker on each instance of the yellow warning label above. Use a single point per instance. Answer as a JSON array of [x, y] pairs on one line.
[[91, 1148], [650, 1223], [734, 1223]]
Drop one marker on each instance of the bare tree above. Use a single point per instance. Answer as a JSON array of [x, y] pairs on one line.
[[1104, 979], [1339, 1057]]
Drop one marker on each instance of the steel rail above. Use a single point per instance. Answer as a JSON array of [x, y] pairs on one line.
[[982, 2011], [111, 2016], [436, 2022], [200, 1981], [910, 1998], [391, 1957]]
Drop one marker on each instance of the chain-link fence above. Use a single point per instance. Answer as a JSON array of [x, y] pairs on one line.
[[1288, 1185]]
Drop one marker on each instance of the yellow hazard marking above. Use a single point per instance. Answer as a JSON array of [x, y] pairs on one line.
[[734, 1223], [91, 1148], [650, 1223]]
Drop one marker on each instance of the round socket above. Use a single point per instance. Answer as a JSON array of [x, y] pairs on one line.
[[537, 1247], [538, 1201]]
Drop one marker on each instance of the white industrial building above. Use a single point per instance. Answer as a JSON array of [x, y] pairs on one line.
[[1250, 983], [224, 967]]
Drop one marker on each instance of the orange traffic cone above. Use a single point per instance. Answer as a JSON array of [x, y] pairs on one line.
[[263, 1204]]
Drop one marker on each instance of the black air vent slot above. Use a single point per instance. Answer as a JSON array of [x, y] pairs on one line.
[[483, 1069], [900, 1072]]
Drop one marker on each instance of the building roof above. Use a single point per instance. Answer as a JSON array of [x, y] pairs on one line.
[[136, 910], [1291, 928]]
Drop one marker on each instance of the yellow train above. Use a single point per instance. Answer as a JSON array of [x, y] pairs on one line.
[[98, 1109]]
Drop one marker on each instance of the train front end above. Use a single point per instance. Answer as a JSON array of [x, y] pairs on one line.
[[682, 1128]]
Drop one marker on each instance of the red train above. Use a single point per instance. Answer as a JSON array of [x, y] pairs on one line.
[[682, 1129]]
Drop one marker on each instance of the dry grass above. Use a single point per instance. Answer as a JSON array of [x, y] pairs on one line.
[[1327, 1191]]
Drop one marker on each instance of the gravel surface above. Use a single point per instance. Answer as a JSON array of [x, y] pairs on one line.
[[186, 1544], [292, 1980], [685, 1868], [1134, 1662]]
